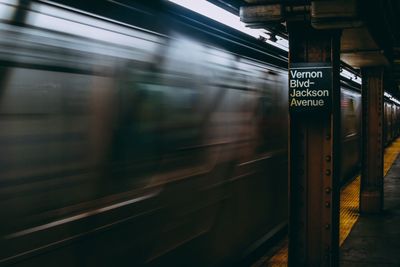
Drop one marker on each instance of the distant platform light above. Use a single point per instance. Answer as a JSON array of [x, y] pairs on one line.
[[391, 98], [216, 13], [347, 74]]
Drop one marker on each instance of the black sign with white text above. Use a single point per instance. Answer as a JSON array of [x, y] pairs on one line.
[[310, 87]]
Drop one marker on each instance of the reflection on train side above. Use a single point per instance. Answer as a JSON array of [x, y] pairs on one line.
[[124, 146]]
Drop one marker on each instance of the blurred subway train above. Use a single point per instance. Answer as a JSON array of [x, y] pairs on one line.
[[391, 121], [132, 136]]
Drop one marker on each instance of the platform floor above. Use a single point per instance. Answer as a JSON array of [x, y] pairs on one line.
[[349, 217], [375, 240]]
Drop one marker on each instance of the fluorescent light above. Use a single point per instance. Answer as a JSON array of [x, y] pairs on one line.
[[395, 100], [220, 15], [391, 98], [387, 95], [347, 74]]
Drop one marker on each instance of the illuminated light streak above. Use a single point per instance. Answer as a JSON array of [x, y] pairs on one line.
[[220, 15]]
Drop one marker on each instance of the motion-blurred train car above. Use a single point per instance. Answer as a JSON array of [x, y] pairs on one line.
[[131, 136], [351, 133], [391, 121], [130, 146]]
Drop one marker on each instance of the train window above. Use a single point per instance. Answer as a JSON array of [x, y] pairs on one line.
[[7, 10], [45, 92], [349, 117]]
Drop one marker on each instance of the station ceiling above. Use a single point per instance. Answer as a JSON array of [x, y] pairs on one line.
[[371, 29]]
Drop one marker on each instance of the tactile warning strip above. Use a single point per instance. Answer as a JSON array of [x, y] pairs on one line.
[[349, 201]]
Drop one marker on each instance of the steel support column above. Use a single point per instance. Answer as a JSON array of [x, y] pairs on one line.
[[371, 193], [314, 157]]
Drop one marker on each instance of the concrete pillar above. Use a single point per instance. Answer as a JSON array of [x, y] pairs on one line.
[[314, 160], [371, 195]]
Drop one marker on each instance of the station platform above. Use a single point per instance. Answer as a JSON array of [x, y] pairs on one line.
[[364, 240], [375, 240]]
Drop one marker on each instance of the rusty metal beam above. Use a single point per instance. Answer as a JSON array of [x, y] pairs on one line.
[[371, 195], [314, 157]]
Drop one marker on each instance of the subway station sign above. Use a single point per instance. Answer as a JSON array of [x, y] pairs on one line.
[[310, 87]]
